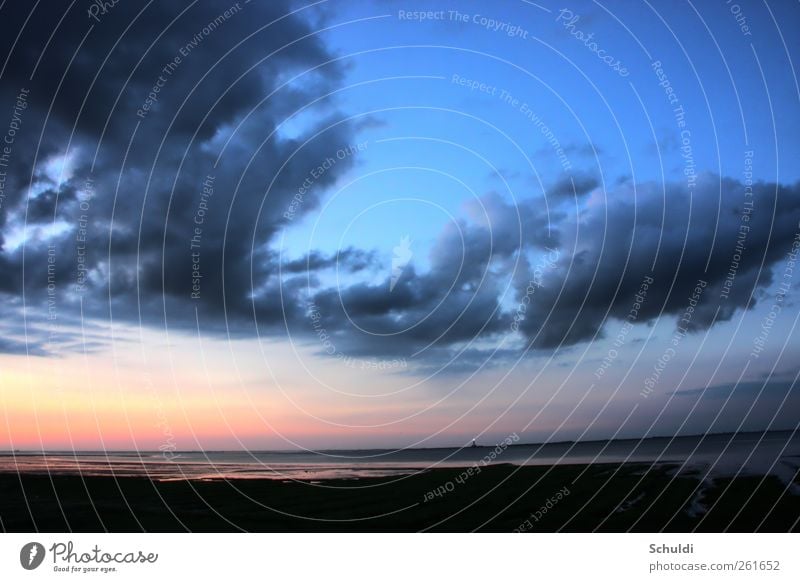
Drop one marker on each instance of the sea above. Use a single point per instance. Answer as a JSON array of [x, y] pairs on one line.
[[714, 455]]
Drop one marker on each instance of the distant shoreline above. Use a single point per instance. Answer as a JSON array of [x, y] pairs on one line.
[[10, 452]]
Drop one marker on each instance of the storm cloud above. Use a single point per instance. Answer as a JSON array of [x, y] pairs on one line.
[[568, 279], [152, 150]]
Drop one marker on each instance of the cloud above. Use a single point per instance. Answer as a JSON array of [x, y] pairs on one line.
[[576, 185], [676, 239], [197, 179], [456, 302], [586, 149], [347, 260], [11, 346], [748, 390]]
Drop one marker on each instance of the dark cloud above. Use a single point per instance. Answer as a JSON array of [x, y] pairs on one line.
[[574, 185], [677, 239], [747, 390], [224, 101], [349, 260], [455, 303], [635, 232], [19, 347]]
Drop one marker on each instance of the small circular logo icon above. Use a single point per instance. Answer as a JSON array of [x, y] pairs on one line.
[[31, 555]]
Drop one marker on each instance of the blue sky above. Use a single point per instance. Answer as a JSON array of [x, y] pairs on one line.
[[407, 73]]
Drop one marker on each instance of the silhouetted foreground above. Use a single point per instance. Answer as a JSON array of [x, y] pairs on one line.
[[501, 498]]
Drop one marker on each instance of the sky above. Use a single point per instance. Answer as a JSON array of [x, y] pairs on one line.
[[346, 224]]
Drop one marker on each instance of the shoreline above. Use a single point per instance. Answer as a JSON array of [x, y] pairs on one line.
[[609, 497], [335, 452]]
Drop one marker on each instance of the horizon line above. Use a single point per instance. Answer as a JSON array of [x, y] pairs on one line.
[[469, 446]]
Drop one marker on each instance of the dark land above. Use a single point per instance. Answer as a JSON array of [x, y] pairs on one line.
[[501, 498]]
